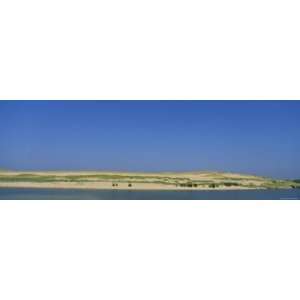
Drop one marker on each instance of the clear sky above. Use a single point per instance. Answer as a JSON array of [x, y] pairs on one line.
[[256, 137]]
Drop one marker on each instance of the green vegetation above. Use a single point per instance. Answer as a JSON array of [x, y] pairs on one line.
[[230, 183], [184, 180], [30, 178]]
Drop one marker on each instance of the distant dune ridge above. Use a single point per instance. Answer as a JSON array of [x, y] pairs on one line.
[[202, 180]]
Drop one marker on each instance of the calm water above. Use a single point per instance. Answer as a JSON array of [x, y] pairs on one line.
[[55, 194]]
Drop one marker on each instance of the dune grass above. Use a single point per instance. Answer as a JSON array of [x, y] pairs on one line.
[[210, 180]]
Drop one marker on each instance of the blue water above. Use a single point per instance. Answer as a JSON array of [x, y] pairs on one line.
[[56, 194]]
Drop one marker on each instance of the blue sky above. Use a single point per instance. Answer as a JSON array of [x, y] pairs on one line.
[[256, 137]]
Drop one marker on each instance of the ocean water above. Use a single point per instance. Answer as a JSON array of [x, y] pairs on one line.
[[57, 194]]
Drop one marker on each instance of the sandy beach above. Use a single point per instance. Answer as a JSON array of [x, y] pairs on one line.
[[138, 181], [108, 185]]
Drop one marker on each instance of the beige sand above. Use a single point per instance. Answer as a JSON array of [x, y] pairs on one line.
[[139, 181], [108, 185]]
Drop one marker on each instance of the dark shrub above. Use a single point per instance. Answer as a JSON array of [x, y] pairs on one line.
[[129, 184], [230, 184]]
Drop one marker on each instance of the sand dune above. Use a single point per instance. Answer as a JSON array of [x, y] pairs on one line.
[[202, 180]]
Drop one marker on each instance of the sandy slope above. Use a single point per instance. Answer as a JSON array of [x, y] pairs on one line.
[[106, 185], [139, 181]]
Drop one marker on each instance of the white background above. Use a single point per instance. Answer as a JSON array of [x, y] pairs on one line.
[[158, 49], [149, 249]]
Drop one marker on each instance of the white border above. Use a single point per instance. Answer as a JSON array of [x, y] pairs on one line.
[[149, 50], [149, 250]]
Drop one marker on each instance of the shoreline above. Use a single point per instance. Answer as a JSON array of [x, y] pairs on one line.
[[143, 187], [196, 181]]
